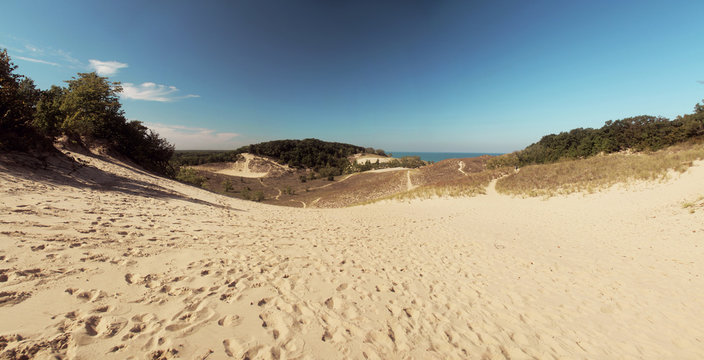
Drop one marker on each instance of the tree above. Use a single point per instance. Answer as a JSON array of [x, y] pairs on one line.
[[699, 108], [92, 108], [144, 146], [17, 101], [48, 117]]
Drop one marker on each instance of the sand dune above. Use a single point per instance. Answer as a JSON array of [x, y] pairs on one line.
[[362, 158], [106, 261], [250, 166]]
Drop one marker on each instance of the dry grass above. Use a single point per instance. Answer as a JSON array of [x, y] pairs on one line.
[[695, 205], [470, 185], [599, 172]]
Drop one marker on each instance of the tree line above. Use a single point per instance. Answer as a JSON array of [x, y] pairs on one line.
[[308, 153], [87, 111], [639, 133], [200, 157]]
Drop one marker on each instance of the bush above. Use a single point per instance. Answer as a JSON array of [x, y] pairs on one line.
[[227, 185], [257, 196], [505, 160], [190, 176]]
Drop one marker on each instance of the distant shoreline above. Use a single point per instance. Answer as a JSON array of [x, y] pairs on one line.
[[439, 156]]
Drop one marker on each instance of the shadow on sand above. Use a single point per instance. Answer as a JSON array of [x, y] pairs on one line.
[[58, 168]]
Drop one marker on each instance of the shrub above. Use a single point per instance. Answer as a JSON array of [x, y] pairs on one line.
[[227, 185], [190, 176], [257, 196]]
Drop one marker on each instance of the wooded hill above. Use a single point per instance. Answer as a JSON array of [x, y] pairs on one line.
[[639, 133], [87, 111], [307, 153]]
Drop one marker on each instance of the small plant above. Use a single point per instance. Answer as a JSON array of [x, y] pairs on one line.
[[289, 191], [227, 185], [257, 196], [303, 178], [190, 176], [248, 194], [693, 205]]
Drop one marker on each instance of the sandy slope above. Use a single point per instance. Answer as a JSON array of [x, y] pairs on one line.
[[104, 261], [362, 158], [250, 166]]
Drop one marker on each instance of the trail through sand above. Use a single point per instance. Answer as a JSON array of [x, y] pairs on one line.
[[334, 182], [243, 168], [108, 262], [461, 168], [409, 183]]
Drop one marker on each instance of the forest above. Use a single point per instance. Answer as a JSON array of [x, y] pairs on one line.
[[307, 153], [87, 111], [639, 133], [325, 158], [200, 157]]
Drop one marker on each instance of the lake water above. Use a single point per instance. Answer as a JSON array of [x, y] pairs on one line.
[[438, 156]]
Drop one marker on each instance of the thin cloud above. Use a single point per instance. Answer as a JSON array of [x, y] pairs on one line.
[[150, 91], [701, 82], [193, 138], [37, 61], [33, 49], [106, 68], [24, 50]]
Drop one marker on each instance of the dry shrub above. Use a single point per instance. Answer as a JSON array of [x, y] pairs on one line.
[[467, 186], [599, 172]]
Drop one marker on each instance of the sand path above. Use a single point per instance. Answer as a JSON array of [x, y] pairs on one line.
[[461, 168], [334, 182], [409, 183]]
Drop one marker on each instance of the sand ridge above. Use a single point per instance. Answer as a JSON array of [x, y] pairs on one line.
[[250, 166], [105, 260]]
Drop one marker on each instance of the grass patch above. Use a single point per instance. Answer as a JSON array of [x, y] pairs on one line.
[[468, 186], [599, 172], [190, 176], [695, 205]]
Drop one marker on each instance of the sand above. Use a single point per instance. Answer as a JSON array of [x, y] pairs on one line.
[[251, 166], [362, 158], [105, 261]]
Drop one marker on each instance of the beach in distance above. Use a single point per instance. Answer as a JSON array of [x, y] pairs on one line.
[[439, 156]]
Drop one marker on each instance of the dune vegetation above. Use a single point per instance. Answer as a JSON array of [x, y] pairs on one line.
[[598, 172], [87, 112]]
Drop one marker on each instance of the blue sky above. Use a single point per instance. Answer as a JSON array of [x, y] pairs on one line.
[[474, 76]]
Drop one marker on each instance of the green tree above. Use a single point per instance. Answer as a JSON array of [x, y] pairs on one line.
[[699, 108], [92, 108], [17, 101], [48, 117]]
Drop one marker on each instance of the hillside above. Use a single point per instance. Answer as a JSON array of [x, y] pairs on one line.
[[307, 153], [100, 257]]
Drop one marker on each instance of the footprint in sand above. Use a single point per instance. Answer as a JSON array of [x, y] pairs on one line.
[[13, 297], [238, 350], [230, 320]]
